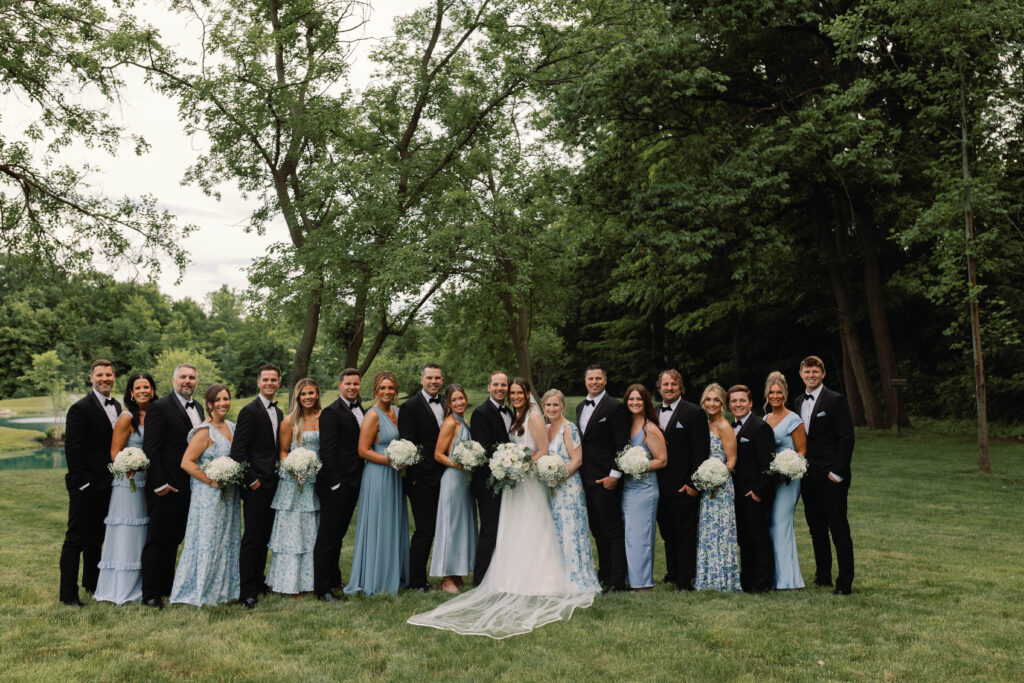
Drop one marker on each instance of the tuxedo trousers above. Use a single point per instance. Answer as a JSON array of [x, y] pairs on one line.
[[423, 496], [258, 521], [677, 521], [336, 509], [604, 512], [168, 518], [753, 533], [84, 538], [825, 510], [488, 507]]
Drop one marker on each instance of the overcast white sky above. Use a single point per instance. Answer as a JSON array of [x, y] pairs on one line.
[[220, 250]]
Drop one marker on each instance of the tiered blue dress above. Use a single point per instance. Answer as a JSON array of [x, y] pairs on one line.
[[207, 572], [787, 563], [455, 530], [639, 513], [718, 566], [569, 510], [294, 532], [380, 560]]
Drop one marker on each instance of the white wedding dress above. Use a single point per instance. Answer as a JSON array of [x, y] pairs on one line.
[[527, 584]]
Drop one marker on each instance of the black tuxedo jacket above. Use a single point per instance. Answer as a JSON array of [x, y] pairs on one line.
[[830, 435], [339, 442], [688, 443], [87, 443], [417, 423], [488, 426], [606, 434], [255, 443], [165, 440], [755, 448]]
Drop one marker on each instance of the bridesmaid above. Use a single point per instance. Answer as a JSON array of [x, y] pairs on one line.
[[455, 531], [297, 518], [718, 566], [380, 560], [207, 572], [789, 433], [568, 506], [121, 564], [640, 496]]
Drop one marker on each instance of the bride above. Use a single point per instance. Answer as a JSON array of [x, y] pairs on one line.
[[527, 584]]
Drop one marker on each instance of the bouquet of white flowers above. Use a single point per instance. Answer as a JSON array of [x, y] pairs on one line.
[[509, 465], [469, 454], [789, 464], [402, 453], [301, 464], [226, 472], [551, 470], [634, 461], [711, 474], [129, 459]]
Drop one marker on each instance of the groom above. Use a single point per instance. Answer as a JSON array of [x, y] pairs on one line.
[[826, 486], [604, 426], [489, 426], [90, 425]]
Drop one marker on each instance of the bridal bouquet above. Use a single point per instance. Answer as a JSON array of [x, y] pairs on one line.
[[551, 470], [128, 460], [711, 474], [226, 472], [402, 453], [509, 465], [469, 454], [789, 464], [634, 461], [302, 464]]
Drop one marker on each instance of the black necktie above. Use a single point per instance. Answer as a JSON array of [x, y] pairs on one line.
[[808, 397], [588, 402], [436, 399], [109, 402], [666, 409], [190, 404]]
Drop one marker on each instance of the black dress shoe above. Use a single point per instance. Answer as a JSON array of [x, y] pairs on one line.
[[249, 603], [614, 589], [822, 584], [329, 597], [842, 591], [154, 602], [264, 589], [73, 603]]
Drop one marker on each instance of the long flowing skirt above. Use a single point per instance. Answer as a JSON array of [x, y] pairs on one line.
[[293, 536], [207, 572], [718, 565], [455, 531], [120, 565], [380, 560], [787, 563], [639, 513]]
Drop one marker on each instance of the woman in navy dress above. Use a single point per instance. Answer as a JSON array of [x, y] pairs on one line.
[[207, 572], [120, 566], [640, 496], [718, 565], [455, 531], [297, 512], [380, 560], [789, 433]]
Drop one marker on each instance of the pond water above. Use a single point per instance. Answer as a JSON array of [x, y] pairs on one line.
[[33, 458]]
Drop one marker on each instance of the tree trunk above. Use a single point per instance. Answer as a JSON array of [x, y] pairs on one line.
[[852, 390], [355, 342], [303, 352], [517, 312]]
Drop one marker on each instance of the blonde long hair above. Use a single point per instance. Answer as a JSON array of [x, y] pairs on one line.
[[296, 413], [775, 377]]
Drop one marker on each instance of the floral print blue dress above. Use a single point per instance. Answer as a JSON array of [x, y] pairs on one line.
[[718, 566], [207, 572], [569, 510], [294, 532]]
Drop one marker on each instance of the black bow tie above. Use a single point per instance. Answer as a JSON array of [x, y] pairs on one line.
[[109, 402], [503, 409], [190, 404], [808, 397], [272, 404], [588, 402], [436, 399], [737, 423], [353, 406], [666, 409]]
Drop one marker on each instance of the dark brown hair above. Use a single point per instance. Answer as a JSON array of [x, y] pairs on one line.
[[211, 395], [130, 403], [812, 362], [517, 427], [645, 396], [448, 393]]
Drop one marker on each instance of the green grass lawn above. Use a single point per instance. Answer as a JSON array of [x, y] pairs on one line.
[[15, 441], [937, 596]]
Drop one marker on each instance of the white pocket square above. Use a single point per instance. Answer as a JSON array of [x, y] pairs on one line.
[[744, 439], [821, 414], [605, 418], [679, 425]]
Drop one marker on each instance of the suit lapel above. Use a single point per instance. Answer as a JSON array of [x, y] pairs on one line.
[[180, 410], [101, 412]]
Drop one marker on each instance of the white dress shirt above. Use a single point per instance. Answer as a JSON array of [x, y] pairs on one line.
[[271, 413], [506, 415], [589, 410], [437, 408], [110, 410], [807, 408], [192, 413], [665, 415], [357, 410]]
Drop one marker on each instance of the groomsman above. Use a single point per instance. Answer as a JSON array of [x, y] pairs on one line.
[[688, 442], [255, 444], [489, 426], [168, 489], [826, 486], [604, 426], [337, 484], [89, 427], [419, 421], [755, 490]]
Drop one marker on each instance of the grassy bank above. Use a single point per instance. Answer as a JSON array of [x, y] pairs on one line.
[[18, 440]]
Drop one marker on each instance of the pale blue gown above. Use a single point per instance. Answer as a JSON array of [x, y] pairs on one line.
[[569, 510], [455, 530], [639, 513], [121, 563], [294, 532], [380, 560], [718, 565], [787, 564], [207, 572]]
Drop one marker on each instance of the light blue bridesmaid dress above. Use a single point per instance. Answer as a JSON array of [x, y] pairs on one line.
[[380, 560], [787, 564], [455, 530], [121, 563], [294, 532], [718, 565], [569, 510], [207, 572], [639, 513]]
